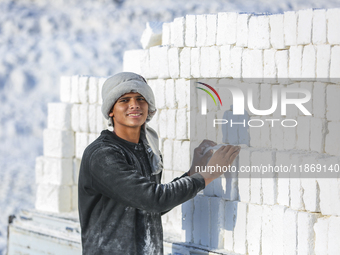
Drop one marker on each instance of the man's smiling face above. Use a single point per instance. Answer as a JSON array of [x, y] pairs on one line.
[[129, 111]]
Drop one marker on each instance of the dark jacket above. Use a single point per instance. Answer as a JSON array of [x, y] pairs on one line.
[[121, 202]]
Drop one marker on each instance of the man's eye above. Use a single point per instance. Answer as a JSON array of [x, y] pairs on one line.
[[141, 98]]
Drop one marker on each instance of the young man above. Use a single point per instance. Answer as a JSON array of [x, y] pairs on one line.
[[121, 198]]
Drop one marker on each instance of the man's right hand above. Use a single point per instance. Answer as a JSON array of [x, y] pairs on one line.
[[224, 156]]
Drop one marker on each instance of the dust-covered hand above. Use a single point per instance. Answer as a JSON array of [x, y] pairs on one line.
[[200, 158], [224, 156]]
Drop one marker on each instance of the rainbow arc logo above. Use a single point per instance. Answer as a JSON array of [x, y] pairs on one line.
[[204, 99]]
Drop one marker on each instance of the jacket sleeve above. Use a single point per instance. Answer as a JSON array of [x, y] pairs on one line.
[[114, 177], [177, 178]]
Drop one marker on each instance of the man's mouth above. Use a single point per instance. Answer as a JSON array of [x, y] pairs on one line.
[[134, 114]]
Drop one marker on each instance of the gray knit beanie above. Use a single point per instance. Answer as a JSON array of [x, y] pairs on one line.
[[117, 85]]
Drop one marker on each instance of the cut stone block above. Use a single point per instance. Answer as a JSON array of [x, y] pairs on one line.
[[205, 221], [321, 236], [100, 120], [178, 36], [311, 191], [319, 102], [225, 61], [81, 143], [211, 29], [278, 229], [93, 87], [187, 221], [304, 26], [333, 22], [269, 66], [168, 154], [252, 64], [267, 236], [205, 59], [184, 58], [166, 34], [58, 143], [296, 201], [306, 237], [240, 240], [182, 93], [92, 118], [83, 87], [195, 62], [332, 145], [173, 57], [39, 169], [65, 89], [75, 169], [242, 30], [319, 27], [190, 31], [170, 94], [303, 133], [59, 116], [74, 89], [53, 198], [74, 198], [308, 105], [335, 62], [162, 123], [295, 61], [281, 62], [57, 171], [283, 183], [171, 123], [323, 59], [230, 208], [334, 235], [290, 28], [254, 223], [318, 134], [159, 62], [201, 26], [308, 62], [259, 32], [214, 62], [101, 81], [290, 232], [159, 91], [277, 31], [181, 124], [235, 62], [84, 117], [197, 220], [145, 64], [244, 178], [216, 222], [277, 136], [152, 35], [227, 28]]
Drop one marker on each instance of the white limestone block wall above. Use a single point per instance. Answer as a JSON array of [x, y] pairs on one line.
[[72, 124], [253, 215], [245, 215]]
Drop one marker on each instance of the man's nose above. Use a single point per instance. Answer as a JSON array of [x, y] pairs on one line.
[[134, 103]]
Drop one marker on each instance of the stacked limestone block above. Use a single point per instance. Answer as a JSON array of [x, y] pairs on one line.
[[253, 215], [72, 124]]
